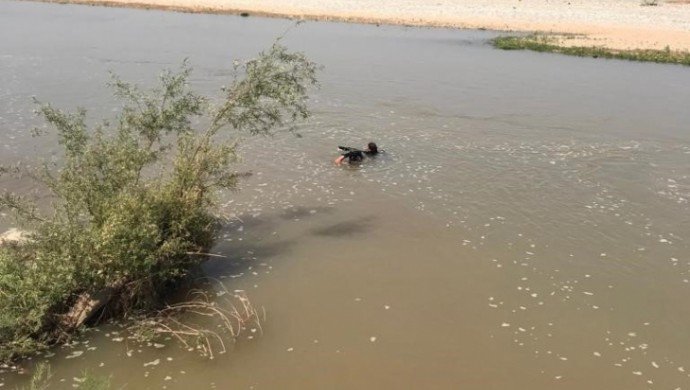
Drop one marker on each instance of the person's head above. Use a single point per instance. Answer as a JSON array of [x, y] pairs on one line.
[[372, 147], [354, 156]]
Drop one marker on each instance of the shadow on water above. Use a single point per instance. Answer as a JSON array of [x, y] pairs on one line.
[[250, 241], [302, 212], [345, 228], [238, 251]]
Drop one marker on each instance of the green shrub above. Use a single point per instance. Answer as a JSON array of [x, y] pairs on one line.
[[133, 199]]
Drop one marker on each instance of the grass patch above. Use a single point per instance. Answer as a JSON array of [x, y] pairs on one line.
[[550, 44], [42, 379]]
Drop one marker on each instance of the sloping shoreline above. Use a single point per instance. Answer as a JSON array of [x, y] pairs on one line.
[[622, 24]]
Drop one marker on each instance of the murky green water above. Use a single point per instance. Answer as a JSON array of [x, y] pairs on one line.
[[527, 228]]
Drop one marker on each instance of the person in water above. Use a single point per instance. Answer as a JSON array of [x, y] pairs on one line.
[[355, 156]]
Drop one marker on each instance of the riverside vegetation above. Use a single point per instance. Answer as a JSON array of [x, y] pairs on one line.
[[42, 376], [133, 202], [551, 44]]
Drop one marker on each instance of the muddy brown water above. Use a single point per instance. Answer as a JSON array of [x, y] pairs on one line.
[[526, 228]]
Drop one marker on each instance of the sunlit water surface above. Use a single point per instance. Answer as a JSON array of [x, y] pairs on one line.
[[526, 228]]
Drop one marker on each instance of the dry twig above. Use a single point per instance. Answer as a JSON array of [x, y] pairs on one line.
[[191, 322]]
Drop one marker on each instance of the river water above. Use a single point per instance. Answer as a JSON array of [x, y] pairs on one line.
[[527, 227]]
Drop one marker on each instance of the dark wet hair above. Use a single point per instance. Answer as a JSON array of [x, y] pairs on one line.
[[354, 156], [372, 147]]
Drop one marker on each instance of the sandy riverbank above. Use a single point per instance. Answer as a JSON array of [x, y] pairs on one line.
[[618, 24]]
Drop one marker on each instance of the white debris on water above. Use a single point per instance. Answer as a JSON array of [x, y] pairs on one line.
[[74, 354], [152, 363]]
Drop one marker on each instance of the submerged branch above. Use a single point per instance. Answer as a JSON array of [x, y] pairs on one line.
[[177, 321]]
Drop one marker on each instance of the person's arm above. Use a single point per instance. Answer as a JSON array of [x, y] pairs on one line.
[[339, 160]]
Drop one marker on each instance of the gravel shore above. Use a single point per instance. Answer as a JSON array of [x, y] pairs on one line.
[[617, 24]]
